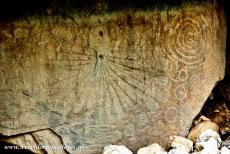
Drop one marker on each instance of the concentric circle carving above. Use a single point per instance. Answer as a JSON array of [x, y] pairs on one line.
[[186, 41]]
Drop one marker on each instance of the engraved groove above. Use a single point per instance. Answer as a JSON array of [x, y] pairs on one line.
[[134, 87], [186, 42], [125, 72], [111, 84], [122, 91], [126, 81], [128, 67]]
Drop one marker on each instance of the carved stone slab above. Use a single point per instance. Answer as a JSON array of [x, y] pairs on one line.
[[127, 77]]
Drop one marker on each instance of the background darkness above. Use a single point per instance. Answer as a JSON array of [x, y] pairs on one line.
[[21, 8]]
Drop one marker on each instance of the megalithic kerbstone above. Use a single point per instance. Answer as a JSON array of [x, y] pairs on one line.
[[131, 77]]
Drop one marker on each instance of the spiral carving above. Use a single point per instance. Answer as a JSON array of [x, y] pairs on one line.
[[186, 41]]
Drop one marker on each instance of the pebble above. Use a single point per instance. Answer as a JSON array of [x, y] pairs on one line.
[[208, 142], [206, 135], [202, 125], [212, 144], [208, 139], [152, 149], [210, 151], [177, 151], [225, 150], [178, 142], [226, 143], [116, 149]]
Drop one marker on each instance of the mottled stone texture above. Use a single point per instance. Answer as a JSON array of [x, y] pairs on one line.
[[127, 77]]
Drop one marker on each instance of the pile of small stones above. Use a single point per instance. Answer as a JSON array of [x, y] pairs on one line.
[[208, 142]]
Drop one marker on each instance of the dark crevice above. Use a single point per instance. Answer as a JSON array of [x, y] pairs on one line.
[[216, 108]]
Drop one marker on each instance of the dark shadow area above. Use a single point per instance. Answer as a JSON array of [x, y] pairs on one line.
[[217, 106], [217, 110], [13, 9]]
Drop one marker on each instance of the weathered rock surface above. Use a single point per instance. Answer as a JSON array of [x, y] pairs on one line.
[[51, 143], [124, 77]]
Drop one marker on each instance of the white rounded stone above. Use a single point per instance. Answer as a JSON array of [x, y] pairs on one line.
[[206, 135], [210, 151], [152, 149], [177, 151], [116, 149], [225, 150], [178, 142]]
